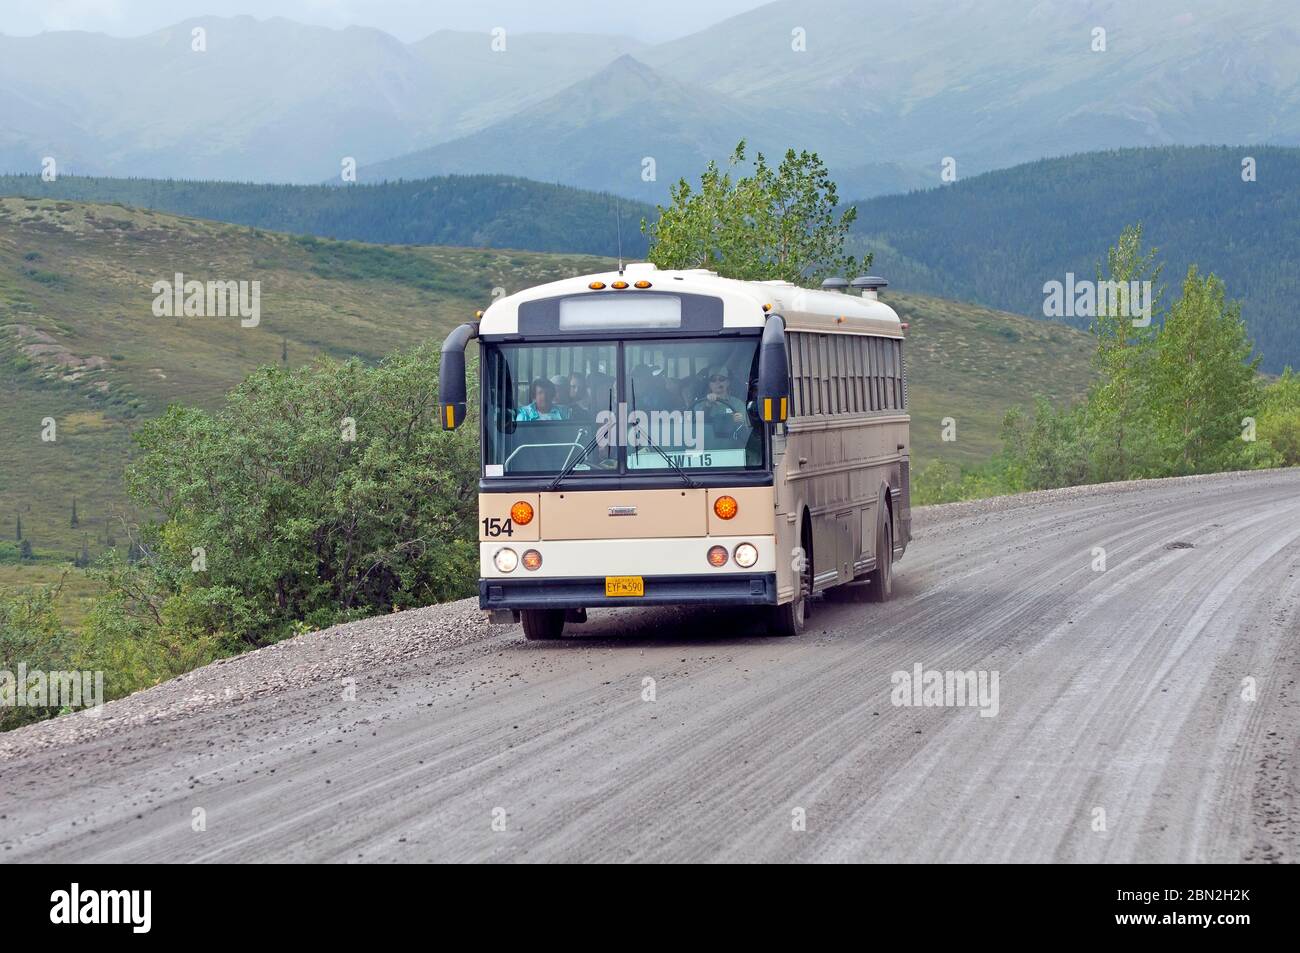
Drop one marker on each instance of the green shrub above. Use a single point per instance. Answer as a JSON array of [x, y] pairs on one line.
[[273, 516], [30, 635], [1278, 424]]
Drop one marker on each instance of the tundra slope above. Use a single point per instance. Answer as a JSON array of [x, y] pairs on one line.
[[1120, 691]]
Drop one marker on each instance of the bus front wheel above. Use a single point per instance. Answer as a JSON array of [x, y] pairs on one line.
[[542, 623], [788, 620]]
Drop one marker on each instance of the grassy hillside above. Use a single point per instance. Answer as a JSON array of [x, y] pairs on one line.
[[492, 211], [997, 238], [79, 341], [972, 364]]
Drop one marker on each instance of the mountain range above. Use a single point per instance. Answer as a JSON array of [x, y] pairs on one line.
[[993, 239], [997, 239], [493, 211], [884, 93]]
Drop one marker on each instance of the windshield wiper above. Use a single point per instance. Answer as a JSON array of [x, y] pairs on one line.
[[690, 484], [572, 464]]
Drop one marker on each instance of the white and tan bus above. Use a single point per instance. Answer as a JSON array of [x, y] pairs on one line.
[[672, 437]]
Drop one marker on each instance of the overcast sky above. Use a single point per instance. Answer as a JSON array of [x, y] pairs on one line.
[[406, 19]]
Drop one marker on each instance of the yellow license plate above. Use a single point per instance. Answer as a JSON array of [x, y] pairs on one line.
[[624, 586]]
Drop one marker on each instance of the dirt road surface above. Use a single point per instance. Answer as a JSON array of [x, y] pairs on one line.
[[1147, 711]]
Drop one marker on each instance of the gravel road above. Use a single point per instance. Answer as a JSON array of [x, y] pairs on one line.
[[1145, 712]]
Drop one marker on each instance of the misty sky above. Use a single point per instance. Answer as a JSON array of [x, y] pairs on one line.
[[405, 19]]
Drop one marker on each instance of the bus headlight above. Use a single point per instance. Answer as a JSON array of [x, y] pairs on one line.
[[746, 555], [717, 556], [532, 559], [506, 560]]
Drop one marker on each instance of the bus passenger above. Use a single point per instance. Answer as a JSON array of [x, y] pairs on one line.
[[578, 403], [543, 406]]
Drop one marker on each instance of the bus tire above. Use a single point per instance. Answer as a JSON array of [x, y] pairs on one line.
[[789, 620], [881, 585], [542, 623]]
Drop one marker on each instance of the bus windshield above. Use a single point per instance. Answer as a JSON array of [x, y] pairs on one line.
[[621, 406]]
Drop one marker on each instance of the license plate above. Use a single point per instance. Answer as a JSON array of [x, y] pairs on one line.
[[620, 586]]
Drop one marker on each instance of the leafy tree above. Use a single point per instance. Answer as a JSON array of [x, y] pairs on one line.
[[1120, 402], [1175, 398], [1205, 379], [776, 223]]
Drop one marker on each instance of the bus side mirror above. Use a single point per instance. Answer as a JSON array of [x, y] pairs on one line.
[[773, 394], [451, 376]]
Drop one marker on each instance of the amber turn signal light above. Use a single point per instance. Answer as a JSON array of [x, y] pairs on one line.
[[522, 513], [718, 556], [725, 507], [532, 559]]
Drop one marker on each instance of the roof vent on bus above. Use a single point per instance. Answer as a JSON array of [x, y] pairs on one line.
[[869, 285], [834, 284]]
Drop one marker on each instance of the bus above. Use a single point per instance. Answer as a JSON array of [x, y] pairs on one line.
[[674, 437]]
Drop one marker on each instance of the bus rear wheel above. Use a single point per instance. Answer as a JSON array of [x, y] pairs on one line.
[[542, 623], [881, 585]]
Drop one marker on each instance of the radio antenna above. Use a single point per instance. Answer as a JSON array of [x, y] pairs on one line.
[[618, 225]]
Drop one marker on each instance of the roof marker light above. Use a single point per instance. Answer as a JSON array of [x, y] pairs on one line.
[[596, 285], [619, 285], [642, 284]]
